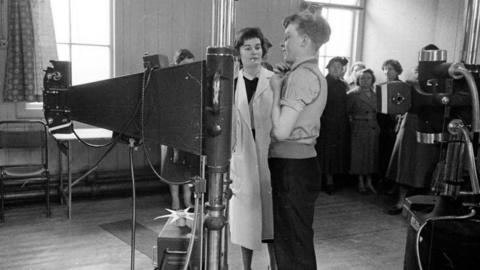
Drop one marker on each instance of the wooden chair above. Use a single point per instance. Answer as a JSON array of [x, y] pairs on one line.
[[24, 160]]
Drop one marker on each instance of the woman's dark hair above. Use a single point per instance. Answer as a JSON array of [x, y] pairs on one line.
[[249, 33], [363, 71], [395, 64], [182, 54]]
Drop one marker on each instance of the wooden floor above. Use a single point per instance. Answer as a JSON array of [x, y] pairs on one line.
[[352, 231]]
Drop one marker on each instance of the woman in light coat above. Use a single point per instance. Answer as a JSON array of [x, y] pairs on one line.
[[250, 214]]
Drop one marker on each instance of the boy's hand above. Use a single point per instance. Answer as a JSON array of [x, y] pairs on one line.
[[276, 82], [281, 68]]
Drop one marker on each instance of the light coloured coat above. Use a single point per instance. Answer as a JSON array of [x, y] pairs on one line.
[[251, 214]]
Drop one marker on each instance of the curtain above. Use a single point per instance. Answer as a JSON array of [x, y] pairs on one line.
[[31, 43]]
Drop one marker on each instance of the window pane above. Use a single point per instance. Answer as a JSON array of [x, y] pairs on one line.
[[322, 63], [90, 63], [63, 52], [91, 21], [60, 20], [338, 2], [341, 23]]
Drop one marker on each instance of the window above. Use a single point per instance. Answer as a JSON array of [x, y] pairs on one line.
[[83, 31], [346, 22], [84, 36]]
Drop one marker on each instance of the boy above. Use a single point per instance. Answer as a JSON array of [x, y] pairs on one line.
[[299, 99]]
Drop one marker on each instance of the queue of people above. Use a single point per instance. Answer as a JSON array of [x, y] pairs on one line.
[[293, 127], [381, 145]]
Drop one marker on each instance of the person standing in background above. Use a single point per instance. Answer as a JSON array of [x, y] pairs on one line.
[[251, 213], [177, 164], [412, 164], [353, 74], [333, 143], [362, 111], [388, 126], [299, 98]]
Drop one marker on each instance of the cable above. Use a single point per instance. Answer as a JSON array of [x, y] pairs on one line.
[[90, 144], [133, 229], [418, 238], [145, 83], [198, 201], [199, 204], [112, 143], [203, 164], [193, 233], [94, 167]]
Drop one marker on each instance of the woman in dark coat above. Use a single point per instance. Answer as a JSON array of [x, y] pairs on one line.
[[388, 124], [333, 143], [412, 163]]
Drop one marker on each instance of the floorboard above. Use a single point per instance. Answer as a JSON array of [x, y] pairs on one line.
[[352, 231]]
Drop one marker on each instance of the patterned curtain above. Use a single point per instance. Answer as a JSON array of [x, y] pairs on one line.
[[31, 43]]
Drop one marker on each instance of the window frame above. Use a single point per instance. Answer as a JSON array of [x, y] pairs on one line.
[[35, 109], [357, 37], [111, 46]]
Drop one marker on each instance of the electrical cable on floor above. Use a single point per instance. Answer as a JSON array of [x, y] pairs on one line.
[[133, 228]]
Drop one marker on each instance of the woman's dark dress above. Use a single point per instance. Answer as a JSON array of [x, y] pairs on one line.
[[333, 143]]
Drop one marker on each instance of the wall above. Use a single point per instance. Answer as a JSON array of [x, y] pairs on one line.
[[399, 29], [267, 15], [164, 26], [159, 27], [393, 29], [449, 30]]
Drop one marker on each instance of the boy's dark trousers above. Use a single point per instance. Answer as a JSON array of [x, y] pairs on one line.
[[295, 187]]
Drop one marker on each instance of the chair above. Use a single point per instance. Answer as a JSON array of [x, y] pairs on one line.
[[23, 160]]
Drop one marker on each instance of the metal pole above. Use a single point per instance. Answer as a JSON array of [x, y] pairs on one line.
[[472, 33], [223, 22], [218, 125]]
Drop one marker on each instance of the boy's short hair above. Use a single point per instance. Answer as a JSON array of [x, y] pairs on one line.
[[314, 26]]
